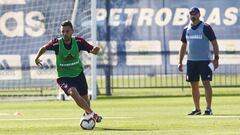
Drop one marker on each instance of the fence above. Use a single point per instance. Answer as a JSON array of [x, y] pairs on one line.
[[139, 40], [144, 39]]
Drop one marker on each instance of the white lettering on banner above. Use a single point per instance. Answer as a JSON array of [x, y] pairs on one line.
[[11, 2], [214, 17], [181, 16], [163, 16], [115, 17], [145, 17], [231, 16], [12, 32], [10, 67], [33, 28], [16, 23], [47, 71], [101, 14], [203, 13], [130, 13]]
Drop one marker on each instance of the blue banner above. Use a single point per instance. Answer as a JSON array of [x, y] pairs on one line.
[[131, 33]]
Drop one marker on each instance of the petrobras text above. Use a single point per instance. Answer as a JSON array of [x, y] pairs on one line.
[[167, 16], [19, 23]]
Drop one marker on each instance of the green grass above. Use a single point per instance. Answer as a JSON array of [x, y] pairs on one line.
[[122, 116]]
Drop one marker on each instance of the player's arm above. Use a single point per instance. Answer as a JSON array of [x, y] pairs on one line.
[[216, 53], [95, 50], [208, 31], [84, 45], [51, 45], [40, 52], [182, 51]]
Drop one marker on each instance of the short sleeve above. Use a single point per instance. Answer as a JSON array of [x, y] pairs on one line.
[[183, 38], [83, 44], [52, 45], [209, 33]]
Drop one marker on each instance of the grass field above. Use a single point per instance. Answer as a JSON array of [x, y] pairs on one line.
[[122, 116]]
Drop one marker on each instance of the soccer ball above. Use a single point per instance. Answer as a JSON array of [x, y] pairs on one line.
[[87, 122]]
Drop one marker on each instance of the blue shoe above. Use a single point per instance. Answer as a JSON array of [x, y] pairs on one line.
[[195, 112], [208, 112]]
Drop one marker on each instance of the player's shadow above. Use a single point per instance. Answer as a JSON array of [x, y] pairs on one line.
[[228, 115], [122, 129]]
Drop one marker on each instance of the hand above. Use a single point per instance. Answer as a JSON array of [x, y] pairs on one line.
[[95, 50], [180, 67], [38, 62], [215, 63]]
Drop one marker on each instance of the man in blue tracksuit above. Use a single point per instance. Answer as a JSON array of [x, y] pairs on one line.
[[195, 39]]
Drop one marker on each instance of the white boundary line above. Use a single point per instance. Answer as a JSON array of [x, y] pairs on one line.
[[46, 119], [5, 114], [217, 116]]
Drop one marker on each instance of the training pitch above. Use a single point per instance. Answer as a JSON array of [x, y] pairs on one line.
[[122, 116]]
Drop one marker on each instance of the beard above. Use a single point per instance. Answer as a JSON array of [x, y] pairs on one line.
[[66, 38], [193, 19]]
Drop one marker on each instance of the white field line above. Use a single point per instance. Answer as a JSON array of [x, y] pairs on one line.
[[46, 119], [212, 116], [5, 114]]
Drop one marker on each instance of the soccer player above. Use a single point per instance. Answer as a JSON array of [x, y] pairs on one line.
[[196, 37], [71, 78]]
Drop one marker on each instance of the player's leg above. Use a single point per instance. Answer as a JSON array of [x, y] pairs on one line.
[[81, 102], [208, 93], [68, 86], [196, 94], [206, 76], [94, 115], [193, 78], [82, 88], [86, 98]]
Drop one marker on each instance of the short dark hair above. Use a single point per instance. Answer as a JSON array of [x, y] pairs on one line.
[[67, 23], [194, 10]]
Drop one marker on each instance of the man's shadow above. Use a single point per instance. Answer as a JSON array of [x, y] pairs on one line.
[[122, 129]]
